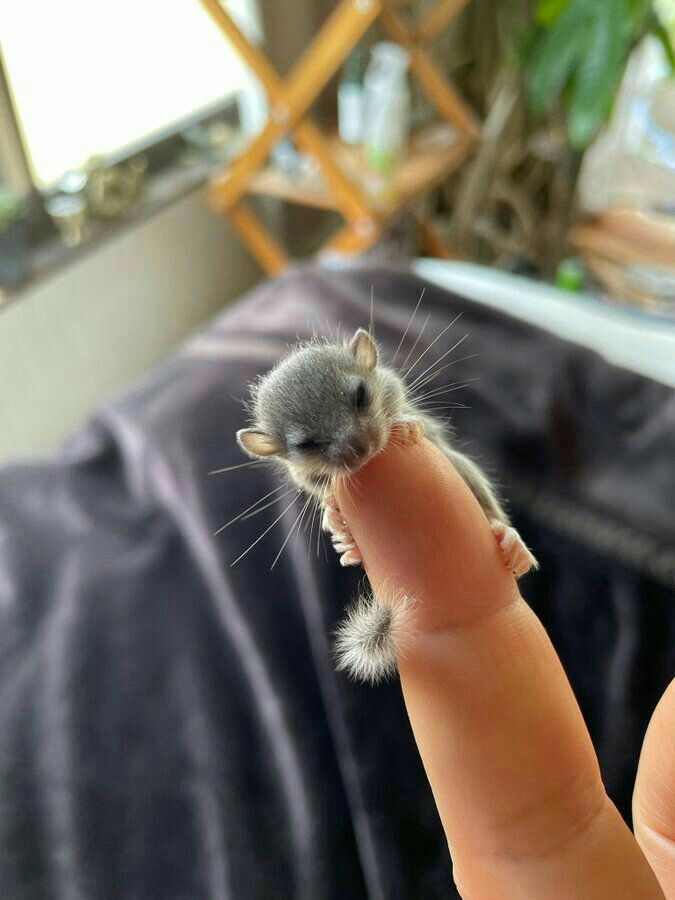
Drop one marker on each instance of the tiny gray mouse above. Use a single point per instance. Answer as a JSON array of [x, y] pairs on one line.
[[323, 411]]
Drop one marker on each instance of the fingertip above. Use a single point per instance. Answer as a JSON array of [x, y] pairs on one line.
[[419, 527]]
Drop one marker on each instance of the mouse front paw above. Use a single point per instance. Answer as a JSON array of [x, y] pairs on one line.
[[341, 537], [517, 556], [408, 431]]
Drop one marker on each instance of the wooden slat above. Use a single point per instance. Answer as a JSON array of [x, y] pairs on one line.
[[270, 182], [440, 93], [259, 241], [416, 176], [290, 100], [228, 188], [341, 31], [421, 171], [436, 21], [346, 195], [432, 242], [428, 161], [255, 58], [348, 240]]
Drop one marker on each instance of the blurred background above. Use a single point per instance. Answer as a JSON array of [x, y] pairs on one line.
[[110, 253], [186, 188]]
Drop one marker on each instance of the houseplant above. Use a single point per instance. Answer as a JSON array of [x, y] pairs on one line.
[[543, 75]]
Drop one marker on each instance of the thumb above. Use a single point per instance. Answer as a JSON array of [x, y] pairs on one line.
[[505, 748], [654, 797]]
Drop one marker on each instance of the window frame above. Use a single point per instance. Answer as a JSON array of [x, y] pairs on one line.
[[164, 150]]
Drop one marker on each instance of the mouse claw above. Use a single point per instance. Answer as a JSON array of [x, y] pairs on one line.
[[517, 556], [410, 431], [351, 558], [340, 535], [332, 520], [342, 546]]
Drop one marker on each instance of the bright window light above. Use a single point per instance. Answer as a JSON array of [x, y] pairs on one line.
[[93, 78]]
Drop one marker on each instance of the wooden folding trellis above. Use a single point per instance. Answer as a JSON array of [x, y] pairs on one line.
[[427, 163]]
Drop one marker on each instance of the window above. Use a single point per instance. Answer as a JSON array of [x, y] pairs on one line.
[[93, 79]]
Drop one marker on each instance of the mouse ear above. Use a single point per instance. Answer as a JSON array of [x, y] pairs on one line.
[[257, 443], [364, 350]]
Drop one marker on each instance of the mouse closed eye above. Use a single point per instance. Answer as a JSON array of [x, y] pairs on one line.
[[359, 396], [308, 445]]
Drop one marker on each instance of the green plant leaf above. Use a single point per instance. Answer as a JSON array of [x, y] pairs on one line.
[[658, 29], [557, 54], [525, 42], [548, 11], [596, 80], [638, 12]]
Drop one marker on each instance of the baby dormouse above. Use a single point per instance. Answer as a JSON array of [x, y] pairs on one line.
[[325, 410]]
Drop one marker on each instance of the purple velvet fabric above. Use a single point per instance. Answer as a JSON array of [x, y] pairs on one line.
[[171, 726]]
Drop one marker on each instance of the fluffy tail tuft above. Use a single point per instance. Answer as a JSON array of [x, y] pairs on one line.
[[371, 636]]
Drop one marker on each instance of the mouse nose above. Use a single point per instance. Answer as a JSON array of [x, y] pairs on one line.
[[354, 451]]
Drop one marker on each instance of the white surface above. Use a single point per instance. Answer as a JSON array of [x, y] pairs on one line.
[[92, 78], [638, 341], [96, 326]]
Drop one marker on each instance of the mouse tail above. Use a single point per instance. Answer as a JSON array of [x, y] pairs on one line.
[[371, 637]]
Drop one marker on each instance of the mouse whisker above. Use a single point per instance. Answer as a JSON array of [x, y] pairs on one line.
[[421, 381], [417, 340], [446, 386], [353, 488], [428, 348], [448, 389], [303, 525], [436, 361], [243, 514], [435, 374], [451, 405], [316, 504], [407, 327], [266, 506], [254, 462], [266, 531], [291, 530], [319, 532], [340, 479], [316, 519]]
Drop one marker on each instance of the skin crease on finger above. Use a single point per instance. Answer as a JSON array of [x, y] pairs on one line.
[[654, 797], [524, 809]]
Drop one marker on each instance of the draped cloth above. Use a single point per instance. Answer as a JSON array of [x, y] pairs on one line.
[[171, 725]]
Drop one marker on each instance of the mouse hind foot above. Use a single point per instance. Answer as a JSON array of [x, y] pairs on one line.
[[518, 558]]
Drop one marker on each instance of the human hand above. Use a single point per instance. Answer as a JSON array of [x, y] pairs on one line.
[[505, 748]]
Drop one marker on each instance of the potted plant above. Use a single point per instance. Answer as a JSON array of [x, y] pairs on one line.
[[575, 53], [13, 251]]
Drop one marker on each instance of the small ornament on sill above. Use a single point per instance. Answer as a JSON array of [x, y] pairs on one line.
[[215, 142], [69, 213], [113, 190]]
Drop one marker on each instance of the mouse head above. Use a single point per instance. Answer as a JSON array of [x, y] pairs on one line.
[[325, 409]]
